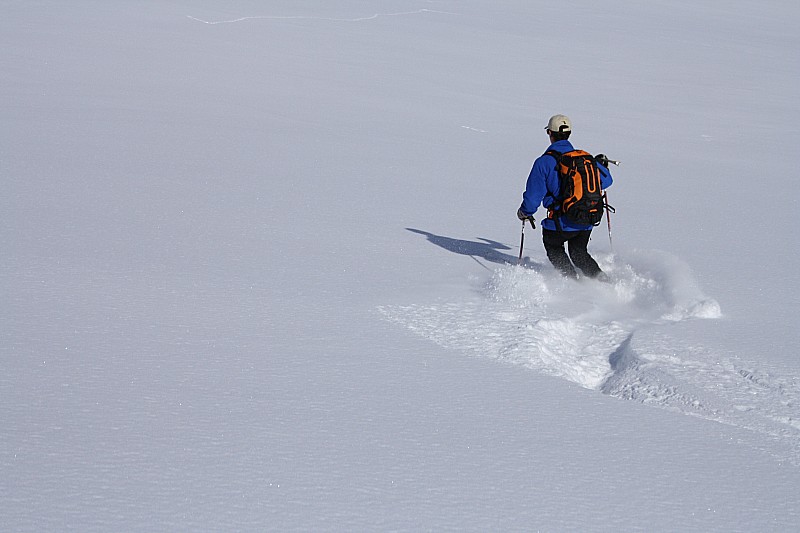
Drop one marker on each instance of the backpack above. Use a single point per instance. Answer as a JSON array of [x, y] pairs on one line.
[[581, 199]]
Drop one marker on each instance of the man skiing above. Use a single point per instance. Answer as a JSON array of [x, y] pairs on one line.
[[544, 188]]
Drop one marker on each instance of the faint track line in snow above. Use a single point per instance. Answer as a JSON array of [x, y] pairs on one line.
[[329, 19]]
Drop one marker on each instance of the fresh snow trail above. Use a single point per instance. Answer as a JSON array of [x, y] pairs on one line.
[[659, 369], [614, 338], [329, 19]]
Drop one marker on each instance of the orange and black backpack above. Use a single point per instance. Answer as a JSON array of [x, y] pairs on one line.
[[581, 199]]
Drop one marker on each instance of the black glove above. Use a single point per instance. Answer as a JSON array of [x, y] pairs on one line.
[[602, 159], [523, 217]]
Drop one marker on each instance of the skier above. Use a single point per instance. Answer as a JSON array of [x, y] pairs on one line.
[[543, 188]]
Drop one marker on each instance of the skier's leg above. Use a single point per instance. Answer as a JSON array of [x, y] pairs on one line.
[[578, 243], [554, 246]]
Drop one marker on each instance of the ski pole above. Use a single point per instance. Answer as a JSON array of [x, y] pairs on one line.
[[521, 243], [609, 210], [604, 160]]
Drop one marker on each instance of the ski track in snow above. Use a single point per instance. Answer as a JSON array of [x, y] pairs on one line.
[[614, 338], [478, 130], [301, 17]]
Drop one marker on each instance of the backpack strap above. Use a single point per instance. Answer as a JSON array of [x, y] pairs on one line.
[[556, 155], [551, 213]]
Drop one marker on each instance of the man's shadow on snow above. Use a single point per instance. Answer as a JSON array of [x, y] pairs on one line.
[[487, 250]]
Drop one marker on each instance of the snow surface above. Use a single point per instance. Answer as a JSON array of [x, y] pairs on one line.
[[260, 267]]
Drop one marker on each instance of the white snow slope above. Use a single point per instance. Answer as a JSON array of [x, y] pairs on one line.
[[259, 267]]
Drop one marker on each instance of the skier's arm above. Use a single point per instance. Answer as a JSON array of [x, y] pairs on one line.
[[605, 177], [601, 161], [535, 188]]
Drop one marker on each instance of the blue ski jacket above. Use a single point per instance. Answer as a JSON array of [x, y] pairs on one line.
[[543, 187]]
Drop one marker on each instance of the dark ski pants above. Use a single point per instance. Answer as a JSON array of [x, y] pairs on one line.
[[577, 241]]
